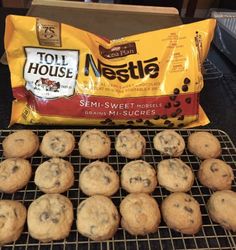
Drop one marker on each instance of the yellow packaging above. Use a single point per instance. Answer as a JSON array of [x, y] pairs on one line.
[[64, 75]]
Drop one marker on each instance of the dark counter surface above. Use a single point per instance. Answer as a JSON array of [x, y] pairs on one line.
[[218, 97]]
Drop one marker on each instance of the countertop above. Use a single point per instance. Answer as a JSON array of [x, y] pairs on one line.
[[218, 97]]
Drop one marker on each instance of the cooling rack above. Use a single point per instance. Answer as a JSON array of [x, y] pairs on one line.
[[211, 236]]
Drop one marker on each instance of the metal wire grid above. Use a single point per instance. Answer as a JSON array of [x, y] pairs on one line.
[[211, 236], [211, 72]]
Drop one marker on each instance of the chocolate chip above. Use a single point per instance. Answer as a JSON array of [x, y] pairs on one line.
[[192, 221], [222, 200], [55, 220], [156, 117], [186, 80], [185, 88], [135, 179], [15, 212], [188, 199], [178, 111], [14, 169], [146, 182], [173, 114], [168, 105], [108, 120], [139, 120], [173, 97], [185, 178], [164, 117], [188, 100], [130, 122], [44, 216], [181, 118], [176, 91], [170, 125], [188, 209], [224, 175], [176, 104], [176, 205], [107, 180], [214, 168], [181, 125], [147, 122], [167, 122], [57, 183]]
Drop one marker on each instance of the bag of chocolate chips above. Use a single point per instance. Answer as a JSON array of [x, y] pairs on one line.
[[64, 75]]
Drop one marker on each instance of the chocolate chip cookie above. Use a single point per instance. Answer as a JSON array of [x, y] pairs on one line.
[[138, 177], [174, 175], [181, 212], [15, 173], [97, 218], [140, 214], [99, 178], [50, 217], [222, 208], [169, 142], [57, 143], [215, 174], [54, 176], [130, 144], [20, 144], [204, 145], [12, 220], [94, 144]]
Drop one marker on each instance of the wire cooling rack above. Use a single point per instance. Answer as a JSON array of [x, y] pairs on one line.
[[211, 236]]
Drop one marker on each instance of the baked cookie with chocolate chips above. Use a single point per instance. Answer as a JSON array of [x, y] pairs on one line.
[[138, 177], [174, 175], [20, 144], [97, 218], [215, 174], [57, 143], [140, 214], [12, 220], [94, 144], [204, 145], [181, 212], [15, 173], [222, 208], [99, 178], [169, 142], [50, 217], [54, 176], [130, 144]]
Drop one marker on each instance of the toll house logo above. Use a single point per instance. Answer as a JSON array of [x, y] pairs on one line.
[[52, 73]]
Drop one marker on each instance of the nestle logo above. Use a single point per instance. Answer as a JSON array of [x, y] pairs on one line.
[[118, 51]]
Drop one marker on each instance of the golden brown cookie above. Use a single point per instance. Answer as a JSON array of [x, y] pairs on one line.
[[140, 214], [169, 142], [130, 144], [99, 178], [94, 144], [204, 145], [222, 208], [181, 212], [50, 217], [174, 175], [215, 174], [54, 176], [97, 218], [20, 144], [15, 173], [12, 220], [138, 177], [57, 143]]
